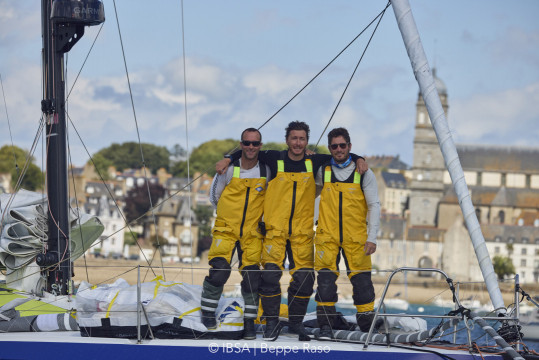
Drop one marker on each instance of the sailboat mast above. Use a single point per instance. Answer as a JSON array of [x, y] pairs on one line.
[[62, 26], [423, 75]]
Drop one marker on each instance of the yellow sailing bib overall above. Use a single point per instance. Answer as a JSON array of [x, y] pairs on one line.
[[288, 215], [342, 225], [239, 211]]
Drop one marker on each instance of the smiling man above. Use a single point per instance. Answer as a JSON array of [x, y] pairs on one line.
[[238, 196], [288, 218], [348, 202]]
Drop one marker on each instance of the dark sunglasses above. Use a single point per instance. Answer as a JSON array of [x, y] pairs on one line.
[[335, 146], [247, 143]]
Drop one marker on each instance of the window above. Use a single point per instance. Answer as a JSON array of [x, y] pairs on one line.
[[479, 178], [523, 251], [525, 240], [504, 177], [501, 216], [523, 262], [511, 240], [497, 238], [496, 250]]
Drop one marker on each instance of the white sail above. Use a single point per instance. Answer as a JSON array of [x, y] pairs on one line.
[[423, 75]]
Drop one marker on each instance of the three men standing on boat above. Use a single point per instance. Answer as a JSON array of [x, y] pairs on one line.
[[346, 198], [238, 195], [288, 218]]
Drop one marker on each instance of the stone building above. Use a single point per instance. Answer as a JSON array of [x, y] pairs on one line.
[[504, 186]]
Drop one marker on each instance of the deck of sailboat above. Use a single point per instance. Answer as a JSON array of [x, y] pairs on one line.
[[28, 345]]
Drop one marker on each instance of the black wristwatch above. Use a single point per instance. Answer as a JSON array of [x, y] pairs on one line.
[[228, 156]]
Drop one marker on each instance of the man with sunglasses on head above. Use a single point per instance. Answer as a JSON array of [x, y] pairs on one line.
[[238, 195], [348, 222], [288, 219]]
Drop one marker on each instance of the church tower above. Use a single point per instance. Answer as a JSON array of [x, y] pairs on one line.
[[428, 167]]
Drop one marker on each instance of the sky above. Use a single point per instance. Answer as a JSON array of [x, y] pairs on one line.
[[245, 59]]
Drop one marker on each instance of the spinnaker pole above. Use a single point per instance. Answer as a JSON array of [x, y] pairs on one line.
[[423, 75]]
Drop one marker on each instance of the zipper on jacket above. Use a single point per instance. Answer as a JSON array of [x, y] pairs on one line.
[[293, 208], [340, 217], [244, 211]]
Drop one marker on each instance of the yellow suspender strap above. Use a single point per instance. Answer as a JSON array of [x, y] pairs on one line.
[[111, 303], [280, 166], [309, 165], [327, 174], [236, 172], [357, 177]]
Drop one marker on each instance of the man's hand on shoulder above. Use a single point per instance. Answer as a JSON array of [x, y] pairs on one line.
[[222, 165], [362, 166]]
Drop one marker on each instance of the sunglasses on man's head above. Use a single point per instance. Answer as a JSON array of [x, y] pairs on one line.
[[248, 143], [335, 146]]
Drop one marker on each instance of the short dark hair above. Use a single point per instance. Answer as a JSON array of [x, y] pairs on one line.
[[251, 130], [297, 125], [338, 132]]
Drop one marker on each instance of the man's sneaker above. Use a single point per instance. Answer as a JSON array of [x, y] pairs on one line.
[[325, 333], [249, 331], [272, 329], [299, 329], [208, 319]]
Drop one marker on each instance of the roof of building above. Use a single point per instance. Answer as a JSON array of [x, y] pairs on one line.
[[386, 161], [394, 180], [499, 158], [496, 196], [510, 233]]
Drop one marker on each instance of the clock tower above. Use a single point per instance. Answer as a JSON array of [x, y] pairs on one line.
[[428, 167]]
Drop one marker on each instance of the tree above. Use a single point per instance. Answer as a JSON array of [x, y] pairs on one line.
[[9, 155], [204, 215], [503, 266], [204, 157], [127, 156], [137, 202]]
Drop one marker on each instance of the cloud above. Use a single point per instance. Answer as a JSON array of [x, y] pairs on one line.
[[509, 116]]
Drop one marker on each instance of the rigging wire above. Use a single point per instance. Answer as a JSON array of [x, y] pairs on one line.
[[127, 224], [353, 73], [78, 212], [158, 247], [187, 136], [324, 68], [9, 125], [84, 62]]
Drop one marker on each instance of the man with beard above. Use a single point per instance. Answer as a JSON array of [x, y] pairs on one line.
[[288, 219], [348, 201]]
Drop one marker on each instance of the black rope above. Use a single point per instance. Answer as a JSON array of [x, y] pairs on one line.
[[353, 73], [323, 69]]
